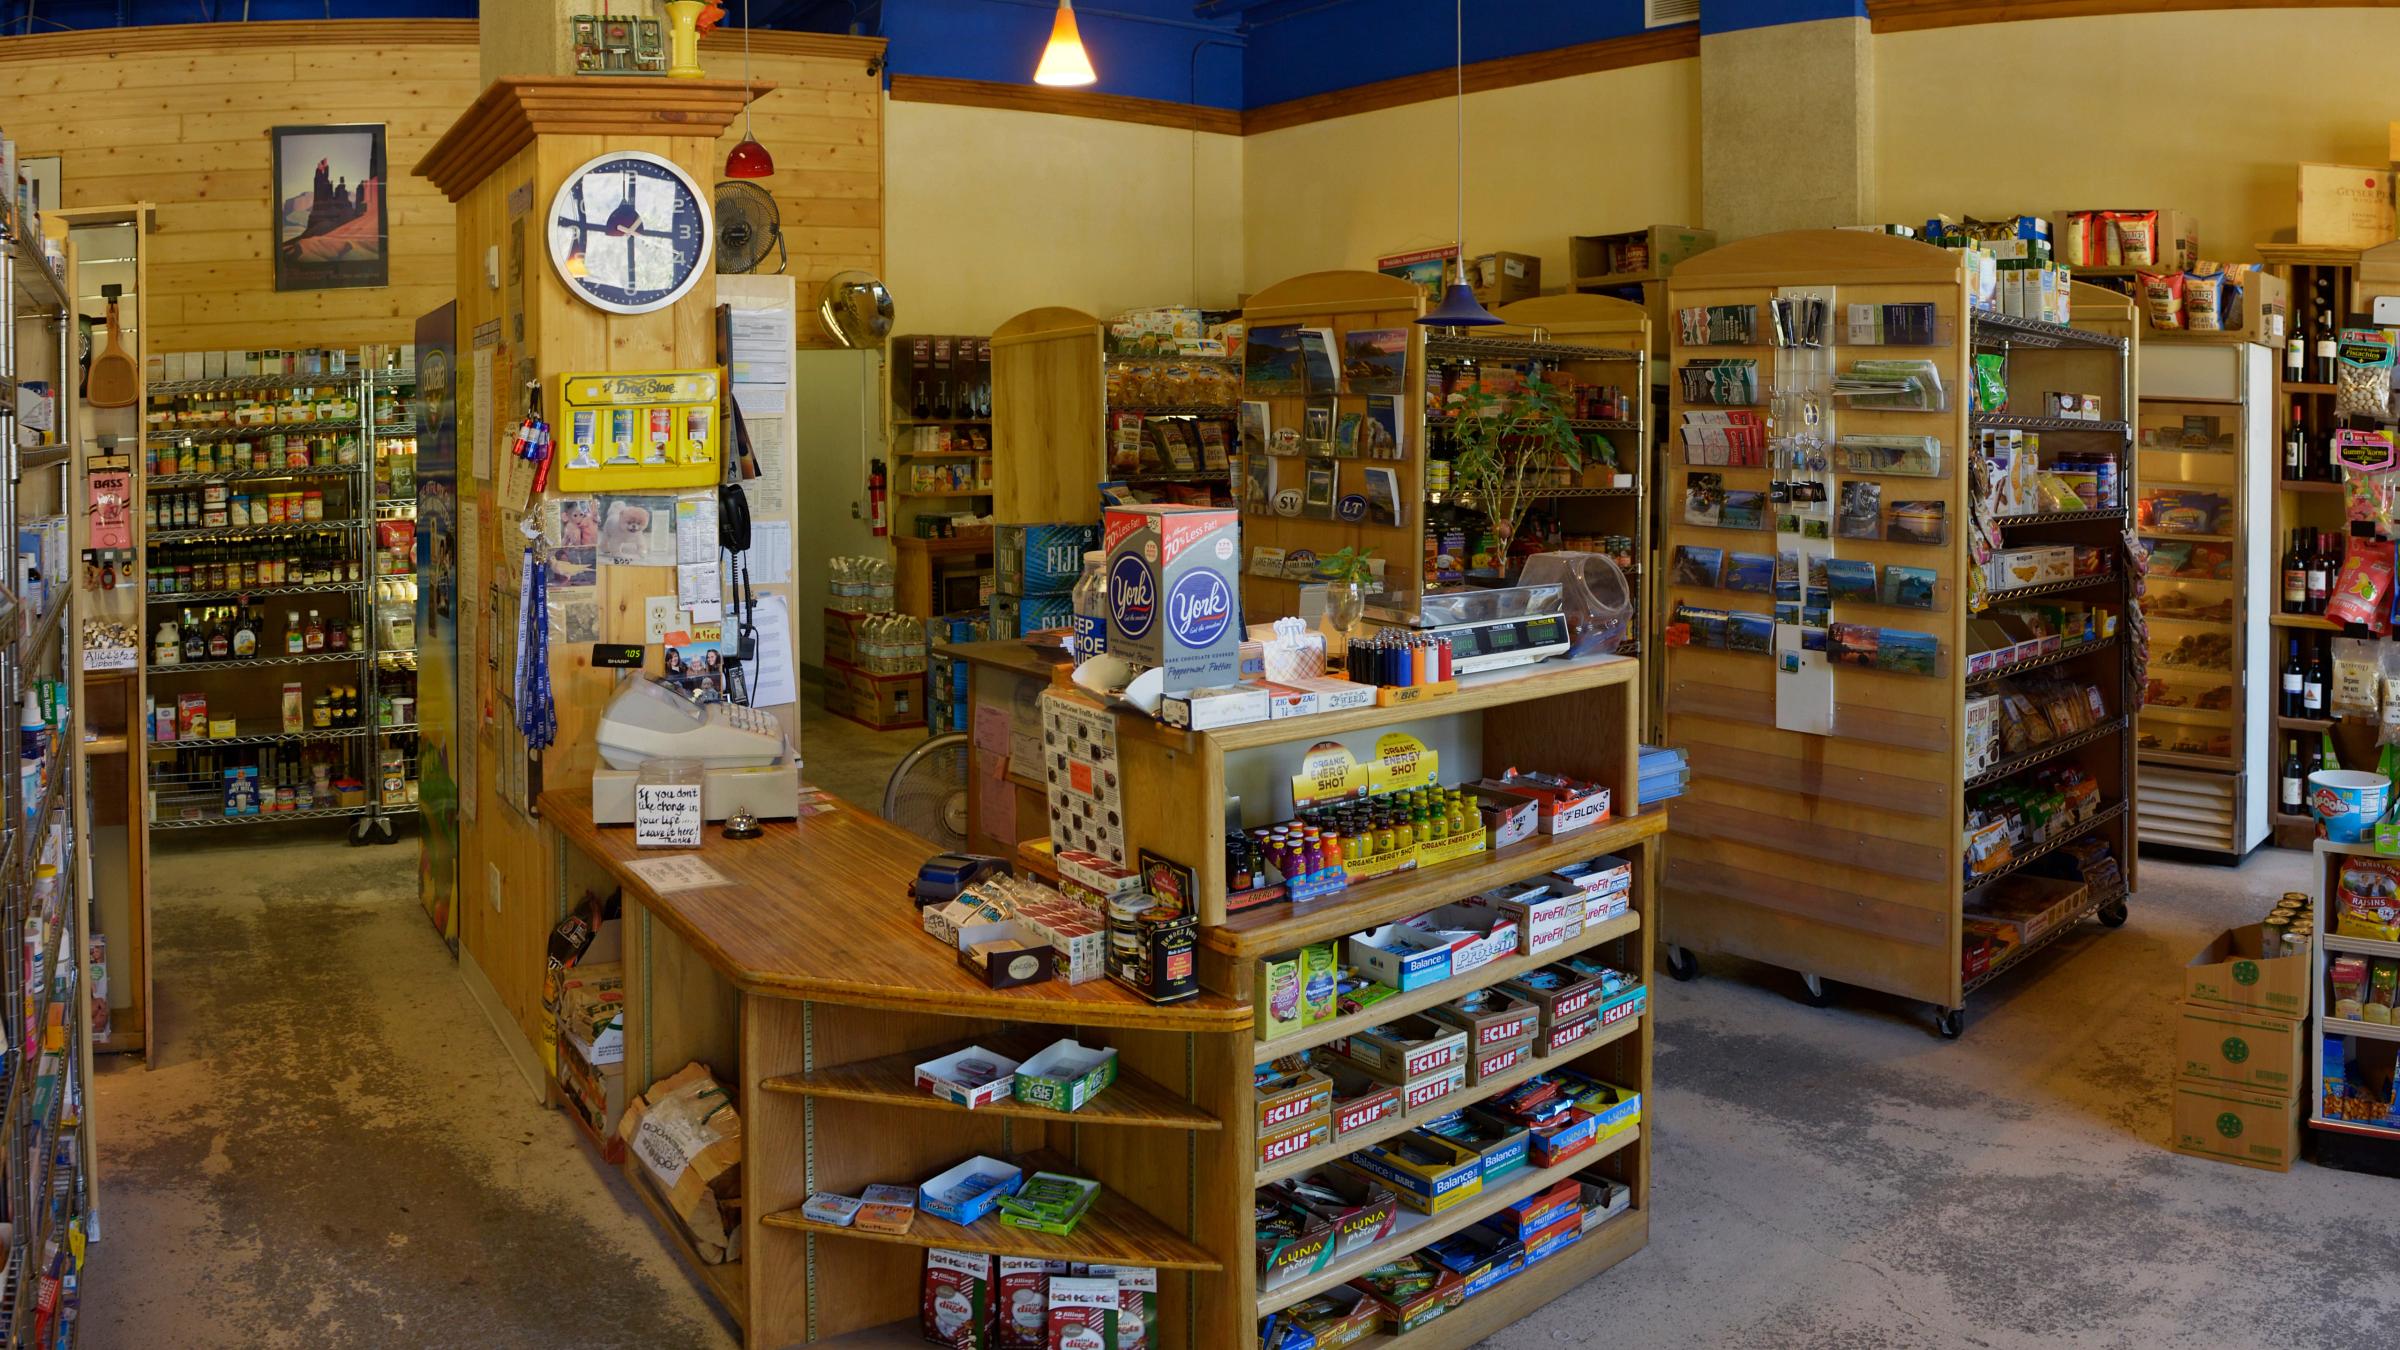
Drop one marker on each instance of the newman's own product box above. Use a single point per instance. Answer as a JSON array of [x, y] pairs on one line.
[[1174, 591], [2234, 972], [2257, 1052]]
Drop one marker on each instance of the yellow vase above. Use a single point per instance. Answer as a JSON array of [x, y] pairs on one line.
[[683, 23]]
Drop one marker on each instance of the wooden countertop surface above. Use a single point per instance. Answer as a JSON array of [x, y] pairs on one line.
[[819, 909], [1014, 655]]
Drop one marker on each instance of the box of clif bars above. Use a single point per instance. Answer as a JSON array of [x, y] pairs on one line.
[[1174, 591]]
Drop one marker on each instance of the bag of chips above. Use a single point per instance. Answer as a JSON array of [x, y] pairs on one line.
[[2204, 301], [2162, 294], [2367, 900], [2133, 238], [2364, 387]]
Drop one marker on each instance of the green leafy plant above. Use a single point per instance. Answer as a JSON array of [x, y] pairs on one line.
[[1349, 565], [1507, 444]]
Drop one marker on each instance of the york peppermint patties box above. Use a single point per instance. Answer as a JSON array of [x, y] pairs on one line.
[[1174, 591]]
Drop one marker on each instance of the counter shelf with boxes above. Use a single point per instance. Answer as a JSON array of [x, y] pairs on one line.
[[2350, 947], [266, 531]]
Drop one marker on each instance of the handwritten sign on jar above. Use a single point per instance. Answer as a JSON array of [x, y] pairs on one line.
[[666, 815]]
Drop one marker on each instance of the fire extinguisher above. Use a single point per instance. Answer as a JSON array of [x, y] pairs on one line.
[[875, 504]]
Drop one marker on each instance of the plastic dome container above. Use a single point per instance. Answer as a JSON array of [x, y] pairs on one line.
[[1598, 602]]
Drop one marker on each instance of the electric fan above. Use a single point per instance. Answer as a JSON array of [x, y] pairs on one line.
[[928, 792], [856, 309], [748, 224]]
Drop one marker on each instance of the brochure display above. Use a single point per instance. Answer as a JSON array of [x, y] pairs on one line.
[[1904, 694]]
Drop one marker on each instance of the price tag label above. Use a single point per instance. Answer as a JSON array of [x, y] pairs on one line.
[[666, 816]]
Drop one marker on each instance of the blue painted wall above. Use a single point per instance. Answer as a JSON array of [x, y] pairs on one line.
[[1143, 48]]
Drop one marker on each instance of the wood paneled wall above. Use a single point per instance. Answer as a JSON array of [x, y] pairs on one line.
[[180, 116]]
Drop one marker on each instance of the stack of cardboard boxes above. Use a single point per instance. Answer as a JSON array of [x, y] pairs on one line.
[[2238, 1053], [1035, 568]]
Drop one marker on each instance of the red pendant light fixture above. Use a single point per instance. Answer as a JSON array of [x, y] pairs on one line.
[[1459, 307], [749, 159], [1064, 61]]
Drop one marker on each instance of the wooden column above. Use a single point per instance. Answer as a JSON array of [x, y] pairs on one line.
[[500, 163]]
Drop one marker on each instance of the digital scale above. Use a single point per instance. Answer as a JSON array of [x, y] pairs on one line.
[[1497, 644]]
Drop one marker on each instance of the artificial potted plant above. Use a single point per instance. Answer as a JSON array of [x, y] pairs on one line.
[[1506, 445]]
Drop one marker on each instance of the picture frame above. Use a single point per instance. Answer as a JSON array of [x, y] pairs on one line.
[[329, 216]]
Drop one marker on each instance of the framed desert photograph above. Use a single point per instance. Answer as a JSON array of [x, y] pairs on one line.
[[332, 227]]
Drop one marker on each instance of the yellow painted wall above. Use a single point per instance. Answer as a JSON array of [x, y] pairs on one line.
[[991, 212], [2202, 112], [1614, 150]]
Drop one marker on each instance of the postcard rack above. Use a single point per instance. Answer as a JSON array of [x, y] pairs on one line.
[[1824, 710]]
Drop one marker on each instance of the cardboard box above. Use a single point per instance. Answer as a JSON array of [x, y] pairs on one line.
[[1404, 1050], [1399, 956], [1477, 936], [2254, 1129], [689, 1142], [1284, 1257], [2233, 972], [1367, 1211], [1490, 1017], [1208, 709], [1630, 256], [1542, 915], [1064, 1075], [841, 636], [1174, 591], [1290, 1097], [1538, 1211], [948, 1079], [1503, 1144], [946, 1196], [1016, 616], [1559, 1039], [1402, 1317], [1429, 1092], [1294, 1139], [1429, 1172], [1504, 278], [1562, 1139], [1005, 955], [1040, 559], [1559, 993], [1360, 1101], [1348, 1317], [2344, 206], [2257, 1052], [1499, 1059]]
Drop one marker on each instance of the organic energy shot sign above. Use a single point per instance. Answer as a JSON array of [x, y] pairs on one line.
[[1173, 599]]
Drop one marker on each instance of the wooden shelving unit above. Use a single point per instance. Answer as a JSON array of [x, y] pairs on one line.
[[2207, 776], [1049, 417], [808, 987], [2315, 275], [1827, 836]]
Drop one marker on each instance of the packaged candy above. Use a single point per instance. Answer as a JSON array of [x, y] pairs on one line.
[[1991, 381], [2362, 593], [2364, 373], [2162, 293]]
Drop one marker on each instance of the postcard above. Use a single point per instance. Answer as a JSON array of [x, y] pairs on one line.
[[1860, 515], [1748, 632], [1744, 510], [1919, 523], [1271, 360], [1375, 360], [1905, 651], [1697, 566], [1912, 587], [1704, 499], [1850, 579], [1753, 572], [1318, 366], [1853, 644], [1380, 437]]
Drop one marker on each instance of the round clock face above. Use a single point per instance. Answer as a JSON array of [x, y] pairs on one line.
[[630, 232]]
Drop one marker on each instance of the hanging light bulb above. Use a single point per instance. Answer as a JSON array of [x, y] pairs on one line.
[[1064, 61], [749, 159], [1459, 307]]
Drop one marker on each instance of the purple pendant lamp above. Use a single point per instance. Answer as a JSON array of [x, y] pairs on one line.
[[1459, 307]]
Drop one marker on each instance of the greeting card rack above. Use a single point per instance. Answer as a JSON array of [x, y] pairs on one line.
[[1824, 709], [330, 563]]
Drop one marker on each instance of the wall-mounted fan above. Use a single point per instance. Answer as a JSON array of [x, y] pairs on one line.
[[856, 309], [748, 225]]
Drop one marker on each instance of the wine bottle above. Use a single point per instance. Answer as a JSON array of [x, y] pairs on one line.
[[2320, 580], [2294, 680], [2293, 778], [2295, 448], [2295, 577], [2295, 357], [2312, 688], [2328, 346]]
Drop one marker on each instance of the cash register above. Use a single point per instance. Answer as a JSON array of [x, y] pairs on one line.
[[745, 761]]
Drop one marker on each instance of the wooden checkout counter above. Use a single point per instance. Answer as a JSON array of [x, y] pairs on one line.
[[808, 982]]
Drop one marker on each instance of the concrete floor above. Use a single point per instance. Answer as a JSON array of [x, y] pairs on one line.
[[331, 1150]]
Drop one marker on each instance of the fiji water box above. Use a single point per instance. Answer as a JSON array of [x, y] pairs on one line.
[[1040, 559], [1174, 591]]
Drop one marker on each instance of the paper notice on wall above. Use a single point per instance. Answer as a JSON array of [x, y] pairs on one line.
[[683, 872], [666, 815], [696, 527], [996, 803], [992, 734], [766, 492], [762, 346], [770, 677], [759, 400], [770, 554], [697, 584], [480, 414]]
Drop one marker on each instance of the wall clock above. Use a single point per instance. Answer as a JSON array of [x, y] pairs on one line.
[[630, 232]]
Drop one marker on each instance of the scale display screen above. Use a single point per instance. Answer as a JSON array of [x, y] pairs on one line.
[[1506, 637], [1544, 631], [1463, 642]]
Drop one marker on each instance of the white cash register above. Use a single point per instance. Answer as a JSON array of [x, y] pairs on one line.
[[744, 759]]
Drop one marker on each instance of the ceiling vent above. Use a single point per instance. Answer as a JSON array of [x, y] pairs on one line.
[[1664, 13]]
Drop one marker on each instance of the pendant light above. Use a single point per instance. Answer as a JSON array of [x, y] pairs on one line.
[[1064, 61], [749, 159], [1459, 307]]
